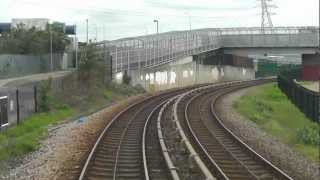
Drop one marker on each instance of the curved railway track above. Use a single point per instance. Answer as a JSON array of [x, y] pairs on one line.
[[117, 154], [224, 153], [133, 145]]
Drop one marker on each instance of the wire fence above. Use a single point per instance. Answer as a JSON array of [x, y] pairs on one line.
[[306, 100]]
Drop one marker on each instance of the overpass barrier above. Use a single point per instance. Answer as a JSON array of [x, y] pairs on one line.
[[153, 50]]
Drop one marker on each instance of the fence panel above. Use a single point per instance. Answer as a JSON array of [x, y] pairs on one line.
[[306, 100]]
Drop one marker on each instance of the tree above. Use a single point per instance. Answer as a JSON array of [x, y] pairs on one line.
[[33, 41], [91, 65]]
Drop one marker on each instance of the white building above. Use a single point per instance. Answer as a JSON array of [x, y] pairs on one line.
[[38, 23]]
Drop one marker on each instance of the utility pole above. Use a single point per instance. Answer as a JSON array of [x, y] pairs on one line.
[[87, 31]]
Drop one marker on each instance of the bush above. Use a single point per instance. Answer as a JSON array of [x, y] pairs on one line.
[[45, 96], [309, 135], [126, 79]]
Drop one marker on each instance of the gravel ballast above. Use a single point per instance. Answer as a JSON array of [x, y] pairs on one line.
[[281, 155], [62, 154]]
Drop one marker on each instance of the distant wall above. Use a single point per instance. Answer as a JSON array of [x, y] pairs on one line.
[[20, 65], [185, 72], [311, 67]]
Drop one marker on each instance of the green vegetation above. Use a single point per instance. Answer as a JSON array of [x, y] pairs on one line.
[[33, 41], [45, 98], [126, 79], [269, 108], [24, 138]]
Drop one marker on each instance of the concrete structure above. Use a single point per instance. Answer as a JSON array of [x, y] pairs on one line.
[[20, 65], [311, 67], [154, 50], [38, 23]]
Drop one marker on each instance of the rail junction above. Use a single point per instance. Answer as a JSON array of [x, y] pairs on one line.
[[176, 134]]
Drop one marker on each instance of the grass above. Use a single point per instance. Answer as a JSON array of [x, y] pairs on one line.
[[19, 140], [269, 108]]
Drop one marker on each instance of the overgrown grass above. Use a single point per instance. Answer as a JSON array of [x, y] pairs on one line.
[[20, 140], [24, 138], [268, 107]]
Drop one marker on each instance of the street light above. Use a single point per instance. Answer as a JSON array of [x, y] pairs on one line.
[[156, 21]]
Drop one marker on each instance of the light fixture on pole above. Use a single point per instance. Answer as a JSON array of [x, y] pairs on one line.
[[87, 31], [51, 59], [156, 21]]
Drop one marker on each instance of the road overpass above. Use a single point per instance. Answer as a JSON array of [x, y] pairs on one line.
[[157, 49]]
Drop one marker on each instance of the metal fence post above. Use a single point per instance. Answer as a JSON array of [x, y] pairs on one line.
[[18, 108], [35, 94]]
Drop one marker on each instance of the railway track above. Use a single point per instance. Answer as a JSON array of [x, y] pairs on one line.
[[141, 141], [118, 154], [224, 153]]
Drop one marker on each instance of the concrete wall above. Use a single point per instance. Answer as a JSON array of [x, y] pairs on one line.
[[185, 72], [19, 65]]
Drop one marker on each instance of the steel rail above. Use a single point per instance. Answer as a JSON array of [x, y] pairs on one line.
[[165, 152], [144, 155], [268, 163], [193, 154]]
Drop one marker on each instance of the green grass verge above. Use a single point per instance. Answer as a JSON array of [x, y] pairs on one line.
[[19, 140], [269, 108]]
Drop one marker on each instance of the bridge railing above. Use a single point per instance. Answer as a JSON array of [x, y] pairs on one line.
[[156, 49]]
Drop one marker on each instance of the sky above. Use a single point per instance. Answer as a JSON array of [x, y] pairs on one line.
[[113, 19]]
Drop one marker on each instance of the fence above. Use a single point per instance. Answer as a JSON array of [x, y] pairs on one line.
[[17, 104], [306, 100]]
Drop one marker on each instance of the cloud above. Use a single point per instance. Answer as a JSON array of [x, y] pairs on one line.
[[122, 18]]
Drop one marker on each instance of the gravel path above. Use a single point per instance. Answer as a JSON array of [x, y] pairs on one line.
[[269, 147], [19, 81], [63, 153]]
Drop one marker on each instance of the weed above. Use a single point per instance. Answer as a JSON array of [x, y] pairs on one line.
[[268, 107]]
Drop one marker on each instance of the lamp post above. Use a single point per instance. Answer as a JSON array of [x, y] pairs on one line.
[[51, 61], [157, 22], [87, 30]]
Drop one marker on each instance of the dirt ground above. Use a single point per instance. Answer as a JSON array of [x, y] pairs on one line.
[[269, 147], [62, 155]]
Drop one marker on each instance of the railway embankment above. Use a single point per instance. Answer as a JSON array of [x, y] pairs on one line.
[[265, 119]]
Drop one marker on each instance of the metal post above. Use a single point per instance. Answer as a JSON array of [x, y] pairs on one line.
[[51, 63], [35, 90], [116, 65], [87, 21], [76, 48], [18, 106]]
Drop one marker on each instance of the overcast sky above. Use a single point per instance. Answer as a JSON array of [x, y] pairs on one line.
[[112, 19]]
